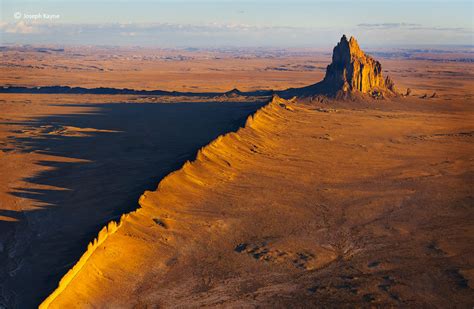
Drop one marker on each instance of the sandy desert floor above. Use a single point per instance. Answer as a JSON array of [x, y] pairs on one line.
[[307, 206], [76, 162], [310, 204]]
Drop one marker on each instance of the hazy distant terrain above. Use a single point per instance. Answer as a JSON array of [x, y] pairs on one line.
[[204, 70]]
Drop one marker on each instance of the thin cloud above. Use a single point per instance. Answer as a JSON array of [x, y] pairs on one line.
[[156, 34], [222, 34], [388, 25], [410, 26], [20, 27]]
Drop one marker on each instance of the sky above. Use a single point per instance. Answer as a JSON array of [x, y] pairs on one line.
[[236, 23]]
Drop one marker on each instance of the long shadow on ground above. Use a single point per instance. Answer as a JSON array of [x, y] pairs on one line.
[[145, 143]]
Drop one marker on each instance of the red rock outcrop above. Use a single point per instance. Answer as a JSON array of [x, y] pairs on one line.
[[350, 72]]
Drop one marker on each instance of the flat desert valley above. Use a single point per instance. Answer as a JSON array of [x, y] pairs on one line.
[[226, 194]]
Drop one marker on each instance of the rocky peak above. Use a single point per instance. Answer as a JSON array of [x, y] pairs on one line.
[[352, 70], [346, 50]]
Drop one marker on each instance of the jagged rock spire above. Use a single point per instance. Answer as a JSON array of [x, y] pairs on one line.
[[352, 70]]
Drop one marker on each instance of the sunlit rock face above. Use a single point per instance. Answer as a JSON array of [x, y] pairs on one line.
[[351, 74], [352, 70]]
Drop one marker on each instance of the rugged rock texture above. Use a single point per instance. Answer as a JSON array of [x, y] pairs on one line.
[[351, 72]]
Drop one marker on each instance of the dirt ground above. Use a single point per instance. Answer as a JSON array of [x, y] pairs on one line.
[[312, 204], [221, 70], [307, 206]]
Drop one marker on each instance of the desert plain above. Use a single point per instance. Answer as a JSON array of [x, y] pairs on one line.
[[234, 199]]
